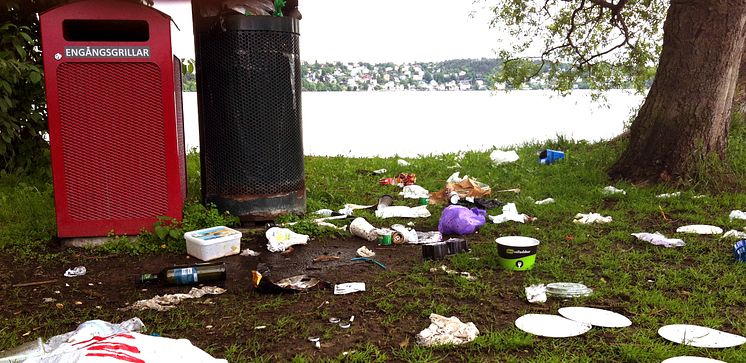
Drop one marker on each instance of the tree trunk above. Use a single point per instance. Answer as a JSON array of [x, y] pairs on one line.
[[686, 115], [739, 99]]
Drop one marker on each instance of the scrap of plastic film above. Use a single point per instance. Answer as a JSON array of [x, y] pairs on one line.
[[289, 285], [568, 290]]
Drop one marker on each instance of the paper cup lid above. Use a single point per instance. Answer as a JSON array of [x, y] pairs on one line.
[[595, 317], [517, 241], [700, 336], [690, 359], [552, 326]]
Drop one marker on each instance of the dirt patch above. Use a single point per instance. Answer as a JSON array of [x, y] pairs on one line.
[[389, 314]]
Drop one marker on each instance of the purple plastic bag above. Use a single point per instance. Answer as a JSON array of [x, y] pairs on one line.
[[458, 219]]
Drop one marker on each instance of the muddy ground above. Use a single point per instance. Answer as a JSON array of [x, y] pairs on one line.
[[226, 325]]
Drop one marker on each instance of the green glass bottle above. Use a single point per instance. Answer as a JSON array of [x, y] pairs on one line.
[[200, 273]]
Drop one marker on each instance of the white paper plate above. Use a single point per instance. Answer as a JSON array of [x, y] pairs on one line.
[[699, 229], [552, 326], [699, 336], [595, 317], [690, 359]]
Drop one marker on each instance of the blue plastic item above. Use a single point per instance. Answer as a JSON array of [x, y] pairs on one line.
[[549, 156], [739, 250], [460, 220]]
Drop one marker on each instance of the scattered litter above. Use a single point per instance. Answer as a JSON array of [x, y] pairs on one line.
[[365, 252], [324, 212], [737, 214], [98, 340], [501, 157], [214, 242], [345, 324], [481, 203], [700, 229], [168, 302], [510, 213], [552, 326], [348, 288], [379, 171], [513, 190], [460, 220], [325, 258], [549, 156], [464, 187], [739, 251], [401, 211], [448, 271], [659, 239], [595, 317], [668, 195], [444, 330], [544, 201], [434, 251], [402, 162], [288, 285], [734, 234], [700, 336], [690, 359], [590, 218], [361, 228], [349, 209], [409, 234], [366, 259], [75, 271], [249, 252], [428, 237], [334, 320], [49, 300], [699, 196], [401, 180], [282, 238], [536, 294], [611, 190], [260, 327], [568, 290], [414, 192]]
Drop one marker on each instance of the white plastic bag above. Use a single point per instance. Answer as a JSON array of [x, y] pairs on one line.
[[282, 238], [444, 330], [510, 213], [501, 157]]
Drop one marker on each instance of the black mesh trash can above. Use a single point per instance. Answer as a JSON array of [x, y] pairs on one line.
[[251, 134]]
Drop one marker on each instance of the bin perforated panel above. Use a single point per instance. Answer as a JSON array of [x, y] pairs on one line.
[[250, 86], [180, 124], [112, 136]]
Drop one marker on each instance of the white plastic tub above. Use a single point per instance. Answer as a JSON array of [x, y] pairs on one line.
[[214, 242]]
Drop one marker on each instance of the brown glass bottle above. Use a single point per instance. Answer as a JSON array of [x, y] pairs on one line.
[[200, 273]]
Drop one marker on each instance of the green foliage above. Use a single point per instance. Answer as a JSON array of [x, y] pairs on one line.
[[593, 43]]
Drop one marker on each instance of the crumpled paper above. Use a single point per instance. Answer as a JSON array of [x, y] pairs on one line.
[[464, 187], [536, 294], [737, 214], [611, 190], [510, 213], [544, 201], [501, 157], [365, 252], [414, 192], [699, 229], [444, 330], [402, 211], [589, 218], [279, 239], [659, 239], [168, 302], [75, 271]]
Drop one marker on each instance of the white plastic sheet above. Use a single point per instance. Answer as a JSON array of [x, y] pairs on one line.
[[279, 239], [590, 218], [700, 229], [401, 211], [737, 214], [501, 157], [348, 288], [611, 190], [414, 192], [444, 330], [544, 201], [659, 239], [510, 213]]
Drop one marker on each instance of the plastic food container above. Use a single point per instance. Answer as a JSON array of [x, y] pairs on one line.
[[211, 243]]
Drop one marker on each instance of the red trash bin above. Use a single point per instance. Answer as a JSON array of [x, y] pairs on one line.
[[115, 117]]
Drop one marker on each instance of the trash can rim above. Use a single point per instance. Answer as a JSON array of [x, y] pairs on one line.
[[238, 22]]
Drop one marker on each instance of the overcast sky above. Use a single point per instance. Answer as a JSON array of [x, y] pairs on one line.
[[374, 30]]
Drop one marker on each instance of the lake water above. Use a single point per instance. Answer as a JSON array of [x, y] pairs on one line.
[[413, 123]]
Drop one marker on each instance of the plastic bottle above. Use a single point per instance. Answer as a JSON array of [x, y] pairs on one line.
[[186, 275]]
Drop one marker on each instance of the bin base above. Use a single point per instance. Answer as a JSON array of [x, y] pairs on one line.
[[261, 208]]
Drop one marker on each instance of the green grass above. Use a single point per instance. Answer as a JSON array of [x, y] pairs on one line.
[[696, 284]]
